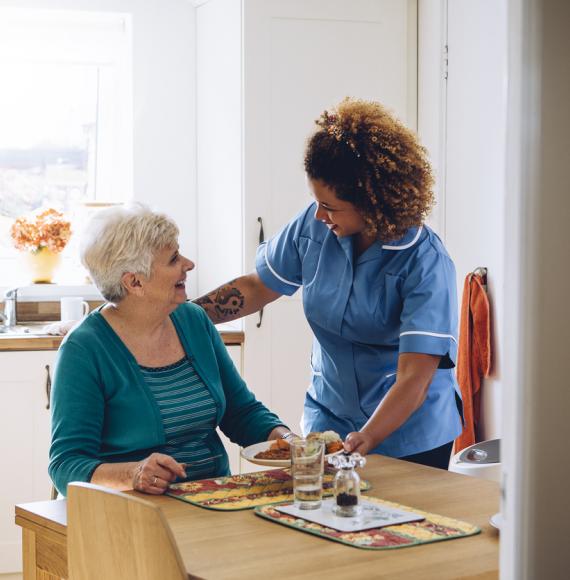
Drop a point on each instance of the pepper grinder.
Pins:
(347, 483)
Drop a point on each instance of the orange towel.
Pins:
(474, 356)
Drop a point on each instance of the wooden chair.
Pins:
(113, 535)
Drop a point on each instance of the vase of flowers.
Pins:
(42, 238)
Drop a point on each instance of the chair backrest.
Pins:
(113, 535)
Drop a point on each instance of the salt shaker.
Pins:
(347, 483)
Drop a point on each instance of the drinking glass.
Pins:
(307, 466)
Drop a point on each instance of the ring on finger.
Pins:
(154, 480)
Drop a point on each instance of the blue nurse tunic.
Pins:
(394, 298)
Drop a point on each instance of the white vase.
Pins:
(42, 264)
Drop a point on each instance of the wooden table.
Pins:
(242, 545)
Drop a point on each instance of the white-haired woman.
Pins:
(142, 383)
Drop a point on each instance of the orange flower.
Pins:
(49, 230)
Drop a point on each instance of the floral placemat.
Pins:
(246, 491)
(434, 528)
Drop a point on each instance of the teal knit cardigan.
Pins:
(102, 411)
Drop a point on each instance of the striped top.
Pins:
(188, 414)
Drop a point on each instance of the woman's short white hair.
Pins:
(124, 239)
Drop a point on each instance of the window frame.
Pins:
(103, 40)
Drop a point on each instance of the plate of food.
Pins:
(277, 453)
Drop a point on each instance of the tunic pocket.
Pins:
(389, 306)
(370, 400)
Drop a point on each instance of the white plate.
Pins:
(496, 521)
(250, 452)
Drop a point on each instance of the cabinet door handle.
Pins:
(48, 387)
(261, 240)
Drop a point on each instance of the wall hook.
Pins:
(481, 271)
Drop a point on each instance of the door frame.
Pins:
(534, 399)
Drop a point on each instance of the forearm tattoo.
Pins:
(226, 302)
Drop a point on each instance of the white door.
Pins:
(475, 209)
(300, 57)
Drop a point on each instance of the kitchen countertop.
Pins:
(34, 340)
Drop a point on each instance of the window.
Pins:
(65, 121)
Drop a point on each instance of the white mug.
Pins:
(73, 308)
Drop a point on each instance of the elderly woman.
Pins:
(142, 383)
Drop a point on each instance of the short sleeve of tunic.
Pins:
(429, 313)
(279, 262)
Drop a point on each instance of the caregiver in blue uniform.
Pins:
(378, 290)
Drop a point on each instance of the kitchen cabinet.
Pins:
(24, 442)
(266, 69)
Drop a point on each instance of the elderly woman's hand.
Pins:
(155, 473)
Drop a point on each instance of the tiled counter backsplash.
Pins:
(40, 302)
(42, 311)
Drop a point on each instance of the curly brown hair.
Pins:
(370, 159)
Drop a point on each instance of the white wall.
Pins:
(219, 152)
(164, 111)
(164, 98)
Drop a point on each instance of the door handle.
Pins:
(48, 386)
(261, 240)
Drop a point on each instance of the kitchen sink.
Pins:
(30, 329)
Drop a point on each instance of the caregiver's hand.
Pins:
(155, 473)
(359, 441)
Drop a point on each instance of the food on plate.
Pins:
(279, 449)
(332, 440)
(334, 446)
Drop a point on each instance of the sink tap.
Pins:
(10, 302)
